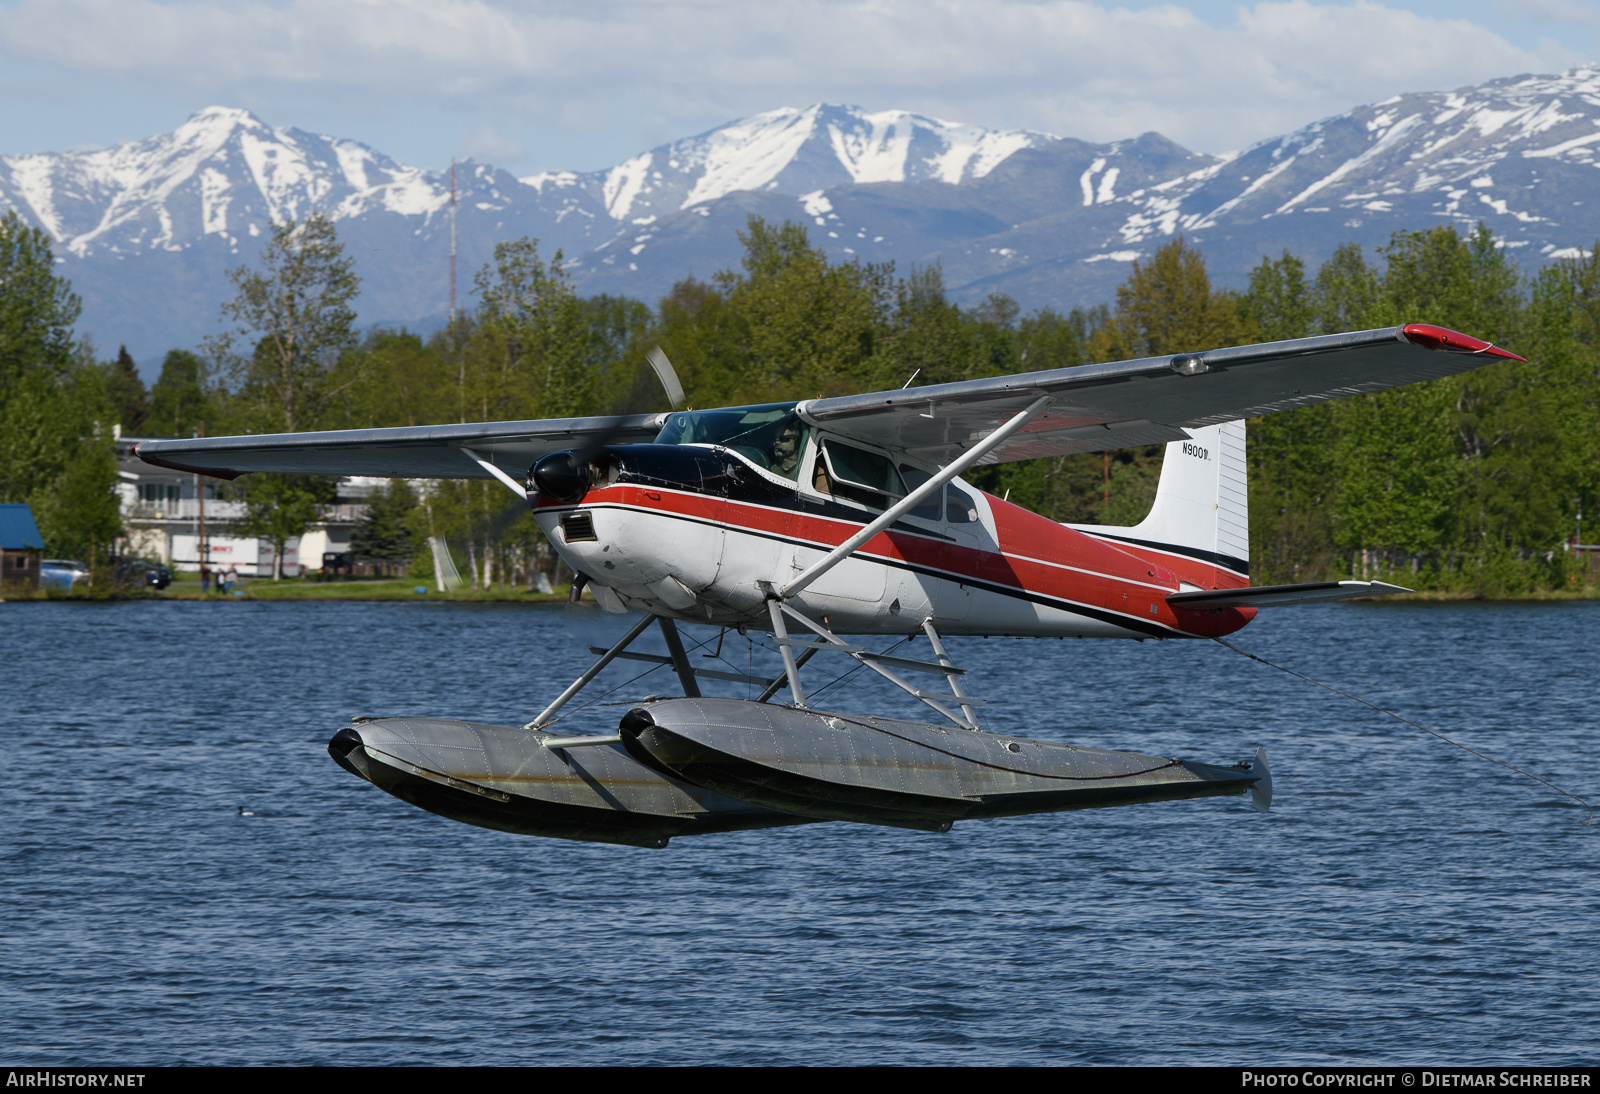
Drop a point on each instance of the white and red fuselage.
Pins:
(699, 533)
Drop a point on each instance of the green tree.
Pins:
(618, 336)
(697, 327)
(1279, 299)
(1167, 305)
(55, 438)
(1563, 337)
(1346, 295)
(387, 534)
(398, 379)
(1290, 453)
(179, 401)
(295, 315)
(1048, 340)
(130, 400)
(926, 336)
(280, 507)
(805, 327)
(37, 308)
(527, 355)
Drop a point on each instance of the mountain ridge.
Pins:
(147, 229)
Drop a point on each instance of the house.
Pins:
(21, 547)
(166, 513)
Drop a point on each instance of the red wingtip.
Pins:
(1432, 337)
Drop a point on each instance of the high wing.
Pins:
(412, 452)
(1116, 405)
(1149, 401)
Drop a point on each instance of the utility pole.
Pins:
(200, 533)
(452, 239)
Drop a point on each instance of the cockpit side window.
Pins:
(864, 477)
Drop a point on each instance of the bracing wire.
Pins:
(626, 683)
(1245, 653)
(837, 680)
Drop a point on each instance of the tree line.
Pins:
(1466, 483)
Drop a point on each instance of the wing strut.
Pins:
(516, 487)
(914, 499)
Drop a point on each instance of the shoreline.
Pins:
(261, 590)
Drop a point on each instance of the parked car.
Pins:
(63, 574)
(138, 572)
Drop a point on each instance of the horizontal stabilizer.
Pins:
(1271, 596)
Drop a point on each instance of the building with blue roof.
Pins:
(21, 546)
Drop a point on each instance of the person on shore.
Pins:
(205, 579)
(232, 576)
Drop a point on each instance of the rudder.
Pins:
(1202, 509)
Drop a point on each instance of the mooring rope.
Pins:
(1245, 653)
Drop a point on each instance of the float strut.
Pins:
(967, 706)
(781, 633)
(680, 660)
(594, 670)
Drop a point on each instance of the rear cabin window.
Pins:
(960, 507)
(862, 476)
(932, 508)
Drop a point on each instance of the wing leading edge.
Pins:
(424, 451)
(1152, 400)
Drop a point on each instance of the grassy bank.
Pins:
(300, 589)
(297, 589)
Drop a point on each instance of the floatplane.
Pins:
(829, 523)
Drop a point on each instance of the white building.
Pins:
(161, 512)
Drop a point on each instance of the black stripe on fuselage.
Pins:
(1131, 623)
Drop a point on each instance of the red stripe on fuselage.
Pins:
(1036, 555)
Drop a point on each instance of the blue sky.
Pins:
(582, 85)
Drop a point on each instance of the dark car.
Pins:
(138, 572)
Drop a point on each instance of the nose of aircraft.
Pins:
(563, 476)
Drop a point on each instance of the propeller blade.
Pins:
(667, 375)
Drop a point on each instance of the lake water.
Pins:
(1403, 903)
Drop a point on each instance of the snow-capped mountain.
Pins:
(794, 151)
(221, 173)
(147, 230)
(1058, 223)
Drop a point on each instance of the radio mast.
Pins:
(452, 239)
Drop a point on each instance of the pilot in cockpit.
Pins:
(785, 451)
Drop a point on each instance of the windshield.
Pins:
(770, 436)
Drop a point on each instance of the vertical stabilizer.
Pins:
(1201, 517)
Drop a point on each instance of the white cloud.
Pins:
(486, 144)
(665, 68)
